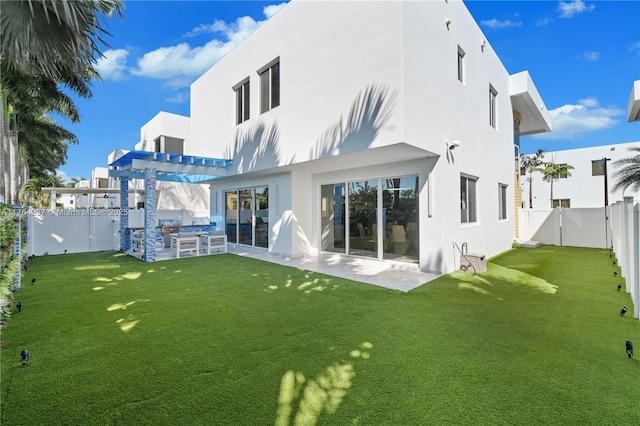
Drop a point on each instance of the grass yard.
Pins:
(227, 340)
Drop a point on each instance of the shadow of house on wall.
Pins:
(370, 111)
(256, 148)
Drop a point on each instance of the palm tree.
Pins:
(552, 171)
(54, 36)
(31, 192)
(530, 164)
(628, 174)
(45, 44)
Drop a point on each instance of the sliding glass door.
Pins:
(247, 216)
(381, 220)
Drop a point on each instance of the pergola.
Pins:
(152, 167)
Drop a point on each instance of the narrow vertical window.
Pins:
(242, 101)
(269, 86)
(460, 64)
(492, 106)
(502, 201)
(468, 206)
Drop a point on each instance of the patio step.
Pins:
(530, 244)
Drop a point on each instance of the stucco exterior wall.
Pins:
(335, 61)
(367, 90)
(438, 107)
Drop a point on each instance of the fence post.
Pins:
(633, 213)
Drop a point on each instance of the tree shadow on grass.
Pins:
(308, 284)
(301, 401)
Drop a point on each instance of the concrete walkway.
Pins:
(393, 275)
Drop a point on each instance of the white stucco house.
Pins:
(585, 187)
(381, 129)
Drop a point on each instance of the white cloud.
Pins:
(591, 56)
(570, 8)
(544, 22)
(181, 63)
(589, 102)
(271, 10)
(634, 46)
(113, 64)
(497, 25)
(587, 115)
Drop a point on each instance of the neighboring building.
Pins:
(167, 133)
(67, 201)
(377, 129)
(582, 188)
(81, 200)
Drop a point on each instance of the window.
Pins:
(561, 202)
(502, 201)
(242, 101)
(468, 199)
(460, 64)
(269, 86)
(492, 107)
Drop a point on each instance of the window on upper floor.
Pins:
(502, 201)
(468, 206)
(242, 100)
(493, 118)
(269, 85)
(460, 64)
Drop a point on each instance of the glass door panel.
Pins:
(245, 224)
(362, 224)
(400, 218)
(262, 217)
(231, 216)
(332, 207)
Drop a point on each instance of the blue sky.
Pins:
(583, 57)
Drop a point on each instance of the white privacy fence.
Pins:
(72, 231)
(85, 230)
(589, 227)
(625, 223)
(585, 227)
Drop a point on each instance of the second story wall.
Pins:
(340, 86)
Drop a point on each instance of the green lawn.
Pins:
(227, 340)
